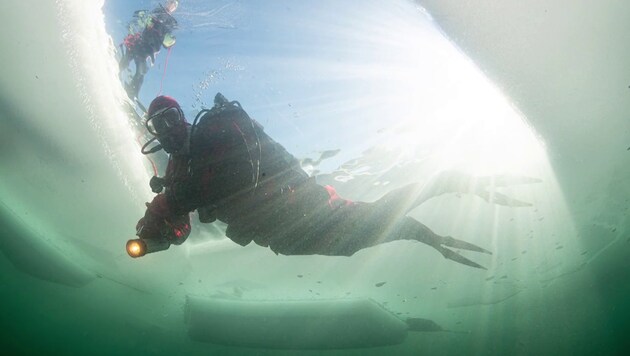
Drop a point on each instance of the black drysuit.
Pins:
(234, 172)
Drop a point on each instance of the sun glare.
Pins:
(460, 116)
(417, 105)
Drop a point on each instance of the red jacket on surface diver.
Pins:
(227, 168)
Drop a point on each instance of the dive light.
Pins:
(140, 247)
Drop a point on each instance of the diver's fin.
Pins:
(501, 199)
(454, 256)
(455, 243)
(505, 181)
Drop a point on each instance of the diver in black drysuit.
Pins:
(227, 168)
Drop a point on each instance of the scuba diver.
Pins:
(228, 169)
(147, 33)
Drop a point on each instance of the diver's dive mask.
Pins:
(163, 122)
(168, 126)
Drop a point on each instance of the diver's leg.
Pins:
(372, 233)
(138, 78)
(360, 226)
(404, 199)
(399, 202)
(124, 61)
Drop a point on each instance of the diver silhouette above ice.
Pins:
(228, 169)
(148, 32)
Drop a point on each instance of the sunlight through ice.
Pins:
(440, 102)
(435, 110)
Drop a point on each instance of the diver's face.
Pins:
(169, 127)
(173, 142)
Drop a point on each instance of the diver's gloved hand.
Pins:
(157, 184)
(153, 222)
(158, 224)
(169, 40)
(149, 226)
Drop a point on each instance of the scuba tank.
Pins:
(225, 117)
(226, 140)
